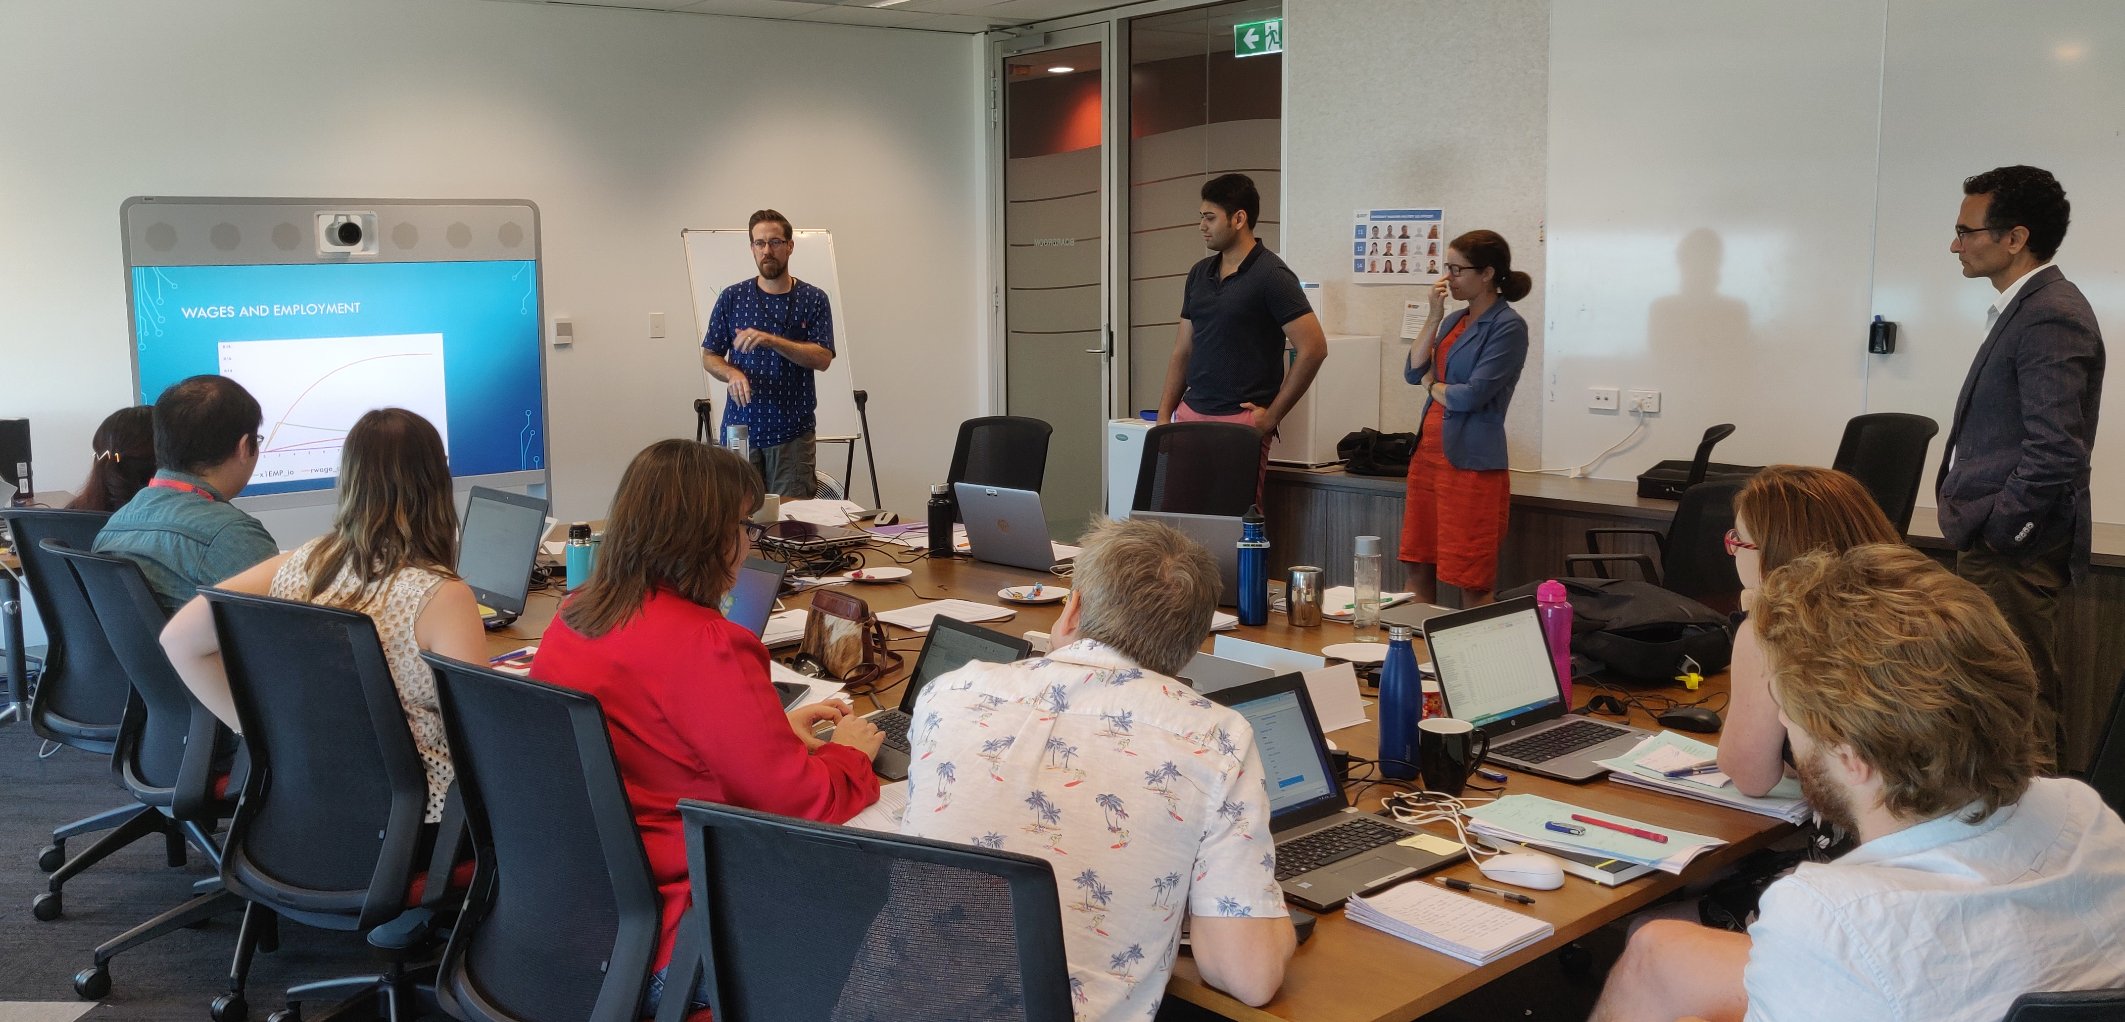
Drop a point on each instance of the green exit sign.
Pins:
(1256, 38)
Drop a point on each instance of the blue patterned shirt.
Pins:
(783, 399)
(1147, 797)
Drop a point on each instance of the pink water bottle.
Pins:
(1556, 614)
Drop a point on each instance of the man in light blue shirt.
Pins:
(181, 529)
(1911, 708)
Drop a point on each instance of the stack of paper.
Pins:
(884, 814)
(1476, 932)
(821, 512)
(918, 617)
(1644, 766)
(1338, 603)
(1522, 818)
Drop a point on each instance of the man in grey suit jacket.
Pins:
(2013, 486)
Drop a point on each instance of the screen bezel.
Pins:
(1335, 801)
(1446, 623)
(506, 603)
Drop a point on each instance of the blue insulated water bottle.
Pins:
(581, 555)
(1254, 568)
(1401, 706)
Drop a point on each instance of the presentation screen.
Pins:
(320, 340)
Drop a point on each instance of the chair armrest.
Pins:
(683, 973)
(1593, 546)
(1601, 561)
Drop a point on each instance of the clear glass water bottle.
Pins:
(738, 437)
(1365, 590)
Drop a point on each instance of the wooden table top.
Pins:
(1347, 972)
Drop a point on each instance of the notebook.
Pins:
(1476, 932)
(1495, 672)
(1326, 850)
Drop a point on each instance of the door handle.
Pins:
(1108, 348)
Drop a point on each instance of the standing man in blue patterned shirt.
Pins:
(766, 338)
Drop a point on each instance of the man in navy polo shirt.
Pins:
(766, 338)
(1241, 305)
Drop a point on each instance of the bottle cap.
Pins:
(1253, 515)
(1368, 546)
(579, 530)
(1400, 633)
(939, 490)
(1551, 591)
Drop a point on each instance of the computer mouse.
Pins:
(1532, 870)
(885, 518)
(1690, 718)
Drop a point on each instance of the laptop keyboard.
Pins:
(895, 725)
(1333, 844)
(1558, 741)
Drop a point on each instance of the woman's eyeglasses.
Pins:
(754, 531)
(1735, 542)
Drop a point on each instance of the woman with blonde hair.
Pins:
(1782, 512)
(389, 555)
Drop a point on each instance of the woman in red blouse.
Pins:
(686, 693)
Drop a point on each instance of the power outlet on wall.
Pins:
(1647, 401)
(1602, 399)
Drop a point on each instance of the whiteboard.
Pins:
(716, 259)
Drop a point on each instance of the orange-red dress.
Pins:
(1453, 517)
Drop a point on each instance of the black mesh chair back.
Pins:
(909, 930)
(1693, 557)
(999, 450)
(82, 692)
(1886, 452)
(329, 822)
(563, 917)
(168, 745)
(1199, 468)
(2076, 1006)
(2106, 767)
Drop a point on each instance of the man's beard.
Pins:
(773, 269)
(1829, 801)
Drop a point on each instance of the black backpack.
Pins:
(1641, 631)
(1369, 452)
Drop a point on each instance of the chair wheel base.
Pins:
(93, 983)
(47, 906)
(52, 857)
(229, 1008)
(285, 1015)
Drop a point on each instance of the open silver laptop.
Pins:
(1218, 534)
(1326, 850)
(1005, 526)
(1495, 672)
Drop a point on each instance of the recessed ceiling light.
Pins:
(885, 3)
(1060, 70)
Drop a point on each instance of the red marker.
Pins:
(1653, 836)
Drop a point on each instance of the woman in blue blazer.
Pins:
(1468, 365)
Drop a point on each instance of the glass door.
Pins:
(1058, 343)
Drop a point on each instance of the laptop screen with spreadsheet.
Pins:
(1494, 663)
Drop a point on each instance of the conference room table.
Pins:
(1346, 972)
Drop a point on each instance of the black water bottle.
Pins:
(940, 519)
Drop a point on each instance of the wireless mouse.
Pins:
(1532, 870)
(1690, 718)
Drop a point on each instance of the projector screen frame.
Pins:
(196, 231)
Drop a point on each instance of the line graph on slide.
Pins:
(313, 389)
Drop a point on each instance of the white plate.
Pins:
(877, 576)
(1357, 652)
(1024, 594)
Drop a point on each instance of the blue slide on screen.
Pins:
(319, 344)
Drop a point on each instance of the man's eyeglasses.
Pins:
(762, 244)
(1735, 542)
(754, 531)
(1963, 233)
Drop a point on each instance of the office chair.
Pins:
(999, 450)
(2076, 1006)
(82, 693)
(2106, 766)
(910, 929)
(1693, 555)
(172, 755)
(1199, 468)
(1886, 452)
(329, 828)
(563, 917)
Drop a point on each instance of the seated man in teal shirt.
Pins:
(181, 529)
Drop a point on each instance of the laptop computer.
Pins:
(496, 548)
(751, 600)
(1413, 615)
(1005, 526)
(1206, 673)
(1326, 850)
(951, 644)
(1495, 672)
(1218, 534)
(803, 539)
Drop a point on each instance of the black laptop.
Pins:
(951, 644)
(496, 550)
(1326, 850)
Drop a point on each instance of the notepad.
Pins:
(918, 617)
(1640, 767)
(1476, 932)
(884, 814)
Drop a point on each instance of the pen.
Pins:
(1563, 828)
(1654, 836)
(1493, 776)
(1692, 771)
(513, 655)
(1463, 885)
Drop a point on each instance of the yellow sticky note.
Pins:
(1428, 843)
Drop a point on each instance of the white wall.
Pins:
(623, 126)
(1399, 103)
